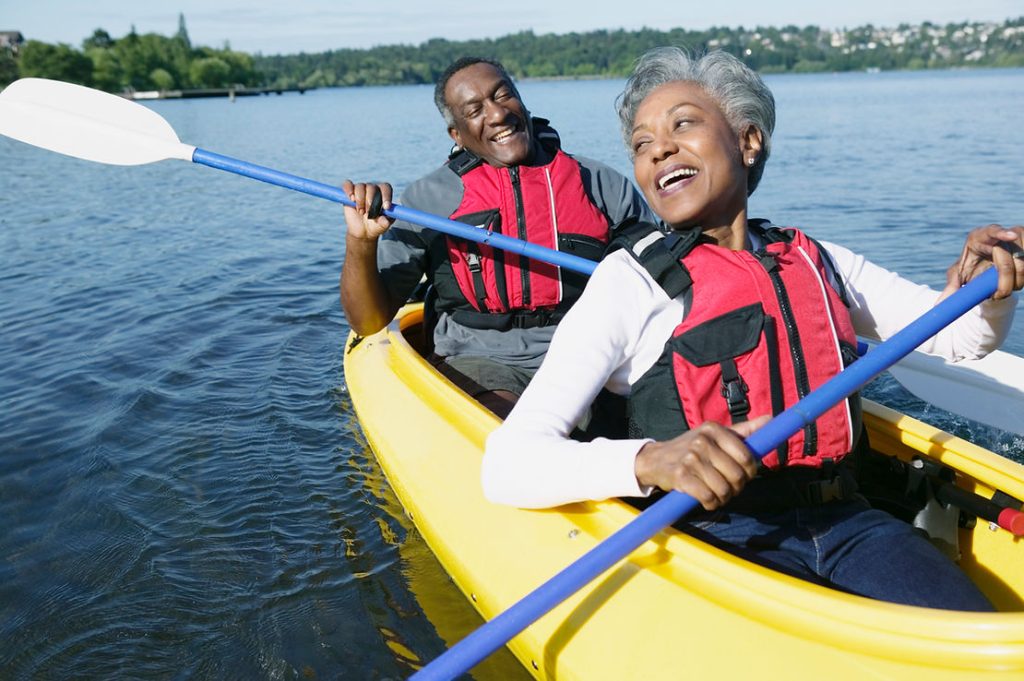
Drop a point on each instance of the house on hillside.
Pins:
(11, 40)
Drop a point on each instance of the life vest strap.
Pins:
(506, 321)
(658, 253)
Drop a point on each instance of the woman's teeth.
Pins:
(675, 175)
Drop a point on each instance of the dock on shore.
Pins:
(213, 92)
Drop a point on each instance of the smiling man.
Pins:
(495, 312)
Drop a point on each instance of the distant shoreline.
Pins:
(554, 79)
(230, 92)
(173, 63)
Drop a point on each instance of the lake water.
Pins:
(183, 486)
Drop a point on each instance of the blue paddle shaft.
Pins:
(464, 655)
(443, 225)
(397, 212)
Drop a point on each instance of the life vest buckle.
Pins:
(735, 393)
(825, 491)
(767, 260)
(532, 319)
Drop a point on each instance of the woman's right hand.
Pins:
(361, 225)
(710, 463)
(990, 246)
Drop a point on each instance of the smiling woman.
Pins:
(751, 105)
(768, 315)
(706, 183)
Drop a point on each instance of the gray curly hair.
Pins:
(744, 98)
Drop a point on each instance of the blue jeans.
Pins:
(842, 544)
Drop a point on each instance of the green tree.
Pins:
(182, 34)
(8, 67)
(129, 53)
(140, 55)
(319, 79)
(240, 67)
(162, 79)
(59, 62)
(210, 72)
(107, 73)
(99, 38)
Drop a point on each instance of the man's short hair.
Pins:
(455, 67)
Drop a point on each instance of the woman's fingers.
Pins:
(744, 430)
(707, 472)
(1008, 258)
(710, 463)
(992, 245)
(727, 464)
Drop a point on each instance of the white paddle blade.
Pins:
(989, 390)
(87, 124)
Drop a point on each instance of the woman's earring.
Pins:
(750, 161)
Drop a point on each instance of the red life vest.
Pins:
(763, 329)
(545, 205)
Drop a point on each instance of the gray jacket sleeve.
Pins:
(612, 193)
(403, 250)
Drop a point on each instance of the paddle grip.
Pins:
(376, 206)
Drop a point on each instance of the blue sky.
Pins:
(317, 25)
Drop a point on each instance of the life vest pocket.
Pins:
(724, 337)
(733, 342)
(583, 246)
(489, 219)
(479, 270)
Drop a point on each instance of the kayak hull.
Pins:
(676, 605)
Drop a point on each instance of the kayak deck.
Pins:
(675, 606)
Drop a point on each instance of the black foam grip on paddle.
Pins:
(376, 206)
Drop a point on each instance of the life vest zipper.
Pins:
(524, 263)
(803, 384)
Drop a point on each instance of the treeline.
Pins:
(154, 62)
(611, 53)
(132, 63)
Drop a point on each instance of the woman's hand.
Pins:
(710, 463)
(985, 247)
(361, 223)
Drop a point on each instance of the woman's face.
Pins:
(688, 161)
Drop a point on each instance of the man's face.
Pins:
(490, 119)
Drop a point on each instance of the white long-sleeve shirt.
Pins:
(614, 334)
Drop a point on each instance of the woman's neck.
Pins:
(732, 235)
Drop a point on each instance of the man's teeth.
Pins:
(676, 175)
(501, 136)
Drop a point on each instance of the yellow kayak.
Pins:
(638, 620)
